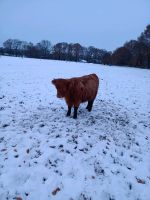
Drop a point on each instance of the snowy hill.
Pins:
(103, 155)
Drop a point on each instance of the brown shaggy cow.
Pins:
(77, 90)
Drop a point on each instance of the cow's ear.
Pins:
(53, 81)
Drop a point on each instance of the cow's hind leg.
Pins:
(89, 106)
(69, 111)
(75, 112)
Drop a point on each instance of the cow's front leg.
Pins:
(75, 112)
(69, 111)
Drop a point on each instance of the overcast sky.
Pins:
(101, 23)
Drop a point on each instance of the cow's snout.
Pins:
(58, 95)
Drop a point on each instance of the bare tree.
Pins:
(44, 48)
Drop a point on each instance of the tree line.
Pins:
(59, 51)
(133, 53)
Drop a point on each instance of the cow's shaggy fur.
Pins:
(77, 90)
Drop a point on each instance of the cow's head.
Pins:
(61, 86)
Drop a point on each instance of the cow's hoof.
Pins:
(74, 117)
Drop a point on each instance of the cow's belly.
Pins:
(86, 98)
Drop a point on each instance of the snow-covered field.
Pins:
(103, 155)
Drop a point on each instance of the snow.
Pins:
(103, 154)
